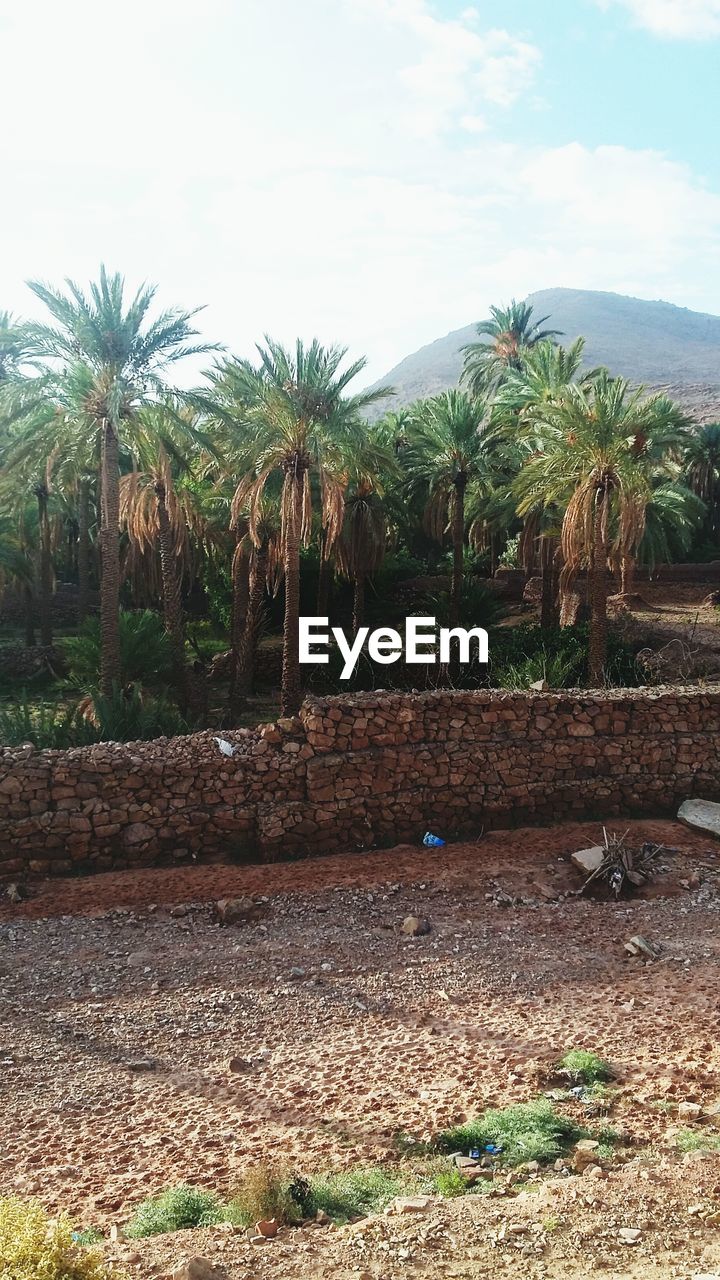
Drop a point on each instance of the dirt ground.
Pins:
(123, 1003)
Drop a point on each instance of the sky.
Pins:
(371, 172)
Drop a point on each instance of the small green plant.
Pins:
(45, 725)
(550, 1224)
(176, 1209)
(451, 1184)
(35, 1247)
(525, 1131)
(584, 1067)
(263, 1193)
(694, 1140)
(144, 650)
(352, 1194)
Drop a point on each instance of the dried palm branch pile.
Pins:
(623, 868)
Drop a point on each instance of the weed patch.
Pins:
(526, 1131)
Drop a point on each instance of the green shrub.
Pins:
(176, 1209)
(521, 655)
(34, 1247)
(353, 1194)
(263, 1193)
(144, 650)
(44, 724)
(584, 1067)
(130, 716)
(451, 1183)
(127, 716)
(526, 1131)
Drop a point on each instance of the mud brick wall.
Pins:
(359, 771)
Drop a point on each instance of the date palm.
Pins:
(363, 539)
(447, 450)
(127, 356)
(702, 472)
(592, 446)
(511, 332)
(158, 513)
(298, 422)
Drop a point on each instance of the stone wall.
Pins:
(353, 772)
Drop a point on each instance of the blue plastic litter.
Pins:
(493, 1150)
(474, 1153)
(433, 842)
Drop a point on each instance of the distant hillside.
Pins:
(654, 343)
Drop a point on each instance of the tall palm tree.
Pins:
(127, 356)
(14, 353)
(702, 472)
(593, 442)
(446, 451)
(294, 408)
(364, 536)
(512, 332)
(159, 507)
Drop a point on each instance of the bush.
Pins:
(344, 1196)
(263, 1193)
(144, 650)
(130, 716)
(584, 1067)
(451, 1183)
(44, 724)
(521, 655)
(33, 1247)
(127, 716)
(176, 1209)
(691, 1140)
(526, 1131)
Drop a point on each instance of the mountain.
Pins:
(654, 343)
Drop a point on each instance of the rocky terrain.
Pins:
(144, 1044)
(651, 343)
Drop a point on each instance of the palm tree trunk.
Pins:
(240, 572)
(110, 561)
(597, 647)
(627, 575)
(291, 688)
(458, 540)
(547, 570)
(45, 583)
(324, 577)
(249, 639)
(358, 602)
(172, 596)
(83, 550)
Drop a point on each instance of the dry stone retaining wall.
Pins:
(359, 771)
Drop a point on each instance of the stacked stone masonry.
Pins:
(357, 772)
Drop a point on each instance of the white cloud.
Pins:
(684, 19)
(449, 66)
(290, 186)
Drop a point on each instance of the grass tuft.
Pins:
(352, 1194)
(526, 1131)
(584, 1067)
(176, 1209)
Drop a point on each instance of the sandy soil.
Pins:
(122, 1003)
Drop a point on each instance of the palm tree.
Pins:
(126, 356)
(265, 570)
(594, 441)
(513, 332)
(363, 539)
(14, 353)
(702, 472)
(294, 409)
(546, 372)
(446, 451)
